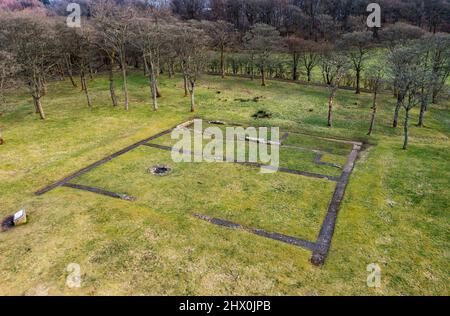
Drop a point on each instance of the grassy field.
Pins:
(395, 212)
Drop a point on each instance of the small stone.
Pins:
(391, 203)
(262, 141)
(217, 122)
(317, 259)
(20, 218)
(185, 124)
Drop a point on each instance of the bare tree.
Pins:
(376, 76)
(398, 64)
(82, 55)
(112, 23)
(294, 46)
(262, 41)
(191, 46)
(33, 48)
(439, 53)
(357, 46)
(146, 37)
(405, 64)
(110, 52)
(66, 48)
(399, 34)
(338, 67)
(310, 56)
(8, 71)
(223, 37)
(425, 59)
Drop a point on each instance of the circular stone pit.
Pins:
(161, 170)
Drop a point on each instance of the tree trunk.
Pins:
(43, 86)
(125, 84)
(434, 96)
(330, 107)
(421, 117)
(36, 88)
(36, 108)
(171, 72)
(222, 62)
(191, 91)
(374, 112)
(294, 68)
(252, 74)
(111, 83)
(145, 69)
(158, 93)
(423, 108)
(40, 110)
(86, 90)
(61, 71)
(91, 72)
(308, 73)
(69, 71)
(154, 94)
(375, 34)
(152, 80)
(263, 77)
(397, 110)
(358, 81)
(406, 128)
(82, 83)
(185, 86)
(2, 80)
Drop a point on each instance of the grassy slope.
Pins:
(395, 212)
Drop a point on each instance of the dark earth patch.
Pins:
(7, 223)
(160, 170)
(262, 114)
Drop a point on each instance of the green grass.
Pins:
(394, 213)
(283, 203)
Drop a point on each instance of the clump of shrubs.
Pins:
(255, 99)
(262, 114)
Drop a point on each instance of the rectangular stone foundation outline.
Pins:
(320, 248)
